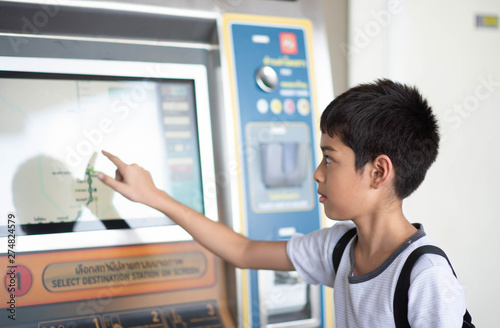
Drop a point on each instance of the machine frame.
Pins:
(171, 233)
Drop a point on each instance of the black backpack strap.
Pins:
(340, 247)
(400, 305)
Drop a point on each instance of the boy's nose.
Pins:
(318, 175)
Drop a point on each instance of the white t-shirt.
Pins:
(435, 298)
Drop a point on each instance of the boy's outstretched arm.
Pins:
(136, 184)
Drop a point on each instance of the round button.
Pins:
(289, 106)
(303, 106)
(18, 280)
(266, 78)
(262, 106)
(276, 106)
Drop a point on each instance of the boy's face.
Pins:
(343, 191)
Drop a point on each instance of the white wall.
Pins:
(436, 46)
(335, 18)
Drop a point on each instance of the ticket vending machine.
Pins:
(78, 254)
(218, 100)
(275, 133)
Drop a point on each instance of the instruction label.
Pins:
(61, 277)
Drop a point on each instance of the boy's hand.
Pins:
(132, 181)
(135, 183)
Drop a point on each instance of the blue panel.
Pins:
(249, 57)
(277, 123)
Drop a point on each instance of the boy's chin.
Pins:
(335, 217)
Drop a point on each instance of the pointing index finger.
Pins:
(91, 163)
(118, 162)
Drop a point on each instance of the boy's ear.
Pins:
(382, 171)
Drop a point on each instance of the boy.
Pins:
(378, 141)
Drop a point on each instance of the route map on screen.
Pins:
(53, 128)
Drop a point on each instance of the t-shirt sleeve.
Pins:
(311, 254)
(435, 297)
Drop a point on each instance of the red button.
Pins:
(18, 280)
(289, 106)
(288, 43)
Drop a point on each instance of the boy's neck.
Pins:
(379, 235)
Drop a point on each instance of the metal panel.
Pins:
(123, 22)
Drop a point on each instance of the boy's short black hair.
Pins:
(389, 118)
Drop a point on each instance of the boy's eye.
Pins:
(328, 159)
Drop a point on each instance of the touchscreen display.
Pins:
(53, 128)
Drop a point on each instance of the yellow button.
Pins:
(276, 106)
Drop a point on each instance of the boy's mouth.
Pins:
(322, 197)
